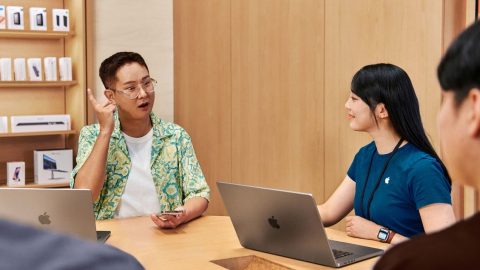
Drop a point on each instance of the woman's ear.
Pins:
(380, 111)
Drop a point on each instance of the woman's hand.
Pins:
(361, 228)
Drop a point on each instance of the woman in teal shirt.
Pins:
(397, 184)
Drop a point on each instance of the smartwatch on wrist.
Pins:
(383, 235)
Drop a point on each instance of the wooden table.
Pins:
(194, 245)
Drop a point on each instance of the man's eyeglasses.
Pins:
(132, 92)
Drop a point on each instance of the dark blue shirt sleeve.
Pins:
(353, 167)
(428, 183)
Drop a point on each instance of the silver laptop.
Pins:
(67, 211)
(288, 224)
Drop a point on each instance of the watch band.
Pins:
(391, 234)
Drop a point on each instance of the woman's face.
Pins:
(359, 114)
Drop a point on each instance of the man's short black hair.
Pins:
(459, 69)
(110, 66)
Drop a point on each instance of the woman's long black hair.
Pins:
(390, 85)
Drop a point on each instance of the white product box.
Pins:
(38, 18)
(61, 20)
(16, 173)
(36, 123)
(3, 124)
(50, 65)
(52, 166)
(19, 69)
(65, 68)
(34, 69)
(3, 19)
(6, 69)
(15, 18)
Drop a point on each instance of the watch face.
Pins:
(382, 235)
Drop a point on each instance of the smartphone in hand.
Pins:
(171, 212)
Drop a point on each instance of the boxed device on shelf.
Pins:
(15, 173)
(6, 69)
(19, 69)
(38, 18)
(3, 19)
(15, 18)
(34, 69)
(3, 124)
(38, 123)
(65, 68)
(50, 65)
(52, 166)
(61, 20)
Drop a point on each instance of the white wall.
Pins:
(145, 27)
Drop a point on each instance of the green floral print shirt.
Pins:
(175, 168)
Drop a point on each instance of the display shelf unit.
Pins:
(10, 34)
(34, 134)
(30, 84)
(44, 97)
(31, 185)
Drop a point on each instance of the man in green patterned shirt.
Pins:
(134, 163)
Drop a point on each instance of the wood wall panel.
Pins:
(357, 33)
(277, 94)
(275, 106)
(202, 82)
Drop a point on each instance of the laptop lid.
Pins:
(286, 223)
(67, 211)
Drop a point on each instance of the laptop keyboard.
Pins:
(339, 253)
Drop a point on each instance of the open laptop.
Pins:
(286, 223)
(67, 211)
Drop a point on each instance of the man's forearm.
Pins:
(92, 174)
(194, 207)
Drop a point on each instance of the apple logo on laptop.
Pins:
(44, 219)
(273, 222)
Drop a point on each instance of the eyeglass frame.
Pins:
(124, 91)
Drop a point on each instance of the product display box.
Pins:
(50, 65)
(6, 69)
(3, 17)
(39, 123)
(15, 173)
(38, 19)
(61, 20)
(65, 68)
(52, 166)
(20, 69)
(3, 124)
(15, 18)
(34, 69)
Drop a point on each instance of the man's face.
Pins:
(131, 76)
(458, 138)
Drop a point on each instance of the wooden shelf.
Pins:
(34, 34)
(31, 185)
(33, 134)
(24, 84)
